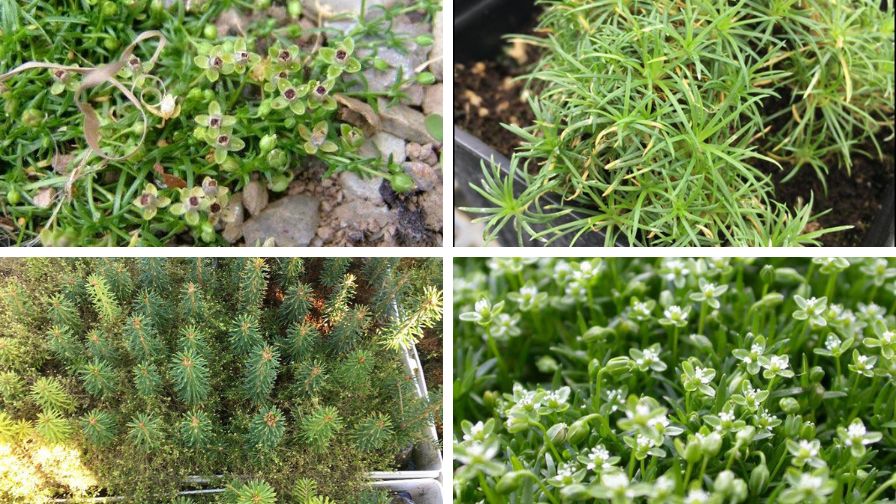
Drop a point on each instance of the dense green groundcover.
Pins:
(271, 377)
(675, 380)
(82, 164)
(653, 118)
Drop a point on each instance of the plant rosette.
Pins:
(613, 393)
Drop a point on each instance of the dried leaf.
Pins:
(359, 114)
(44, 197)
(168, 180)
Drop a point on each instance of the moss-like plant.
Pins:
(104, 301)
(334, 270)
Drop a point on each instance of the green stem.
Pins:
(675, 344)
(489, 494)
(703, 310)
(890, 482)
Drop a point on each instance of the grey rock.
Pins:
(368, 149)
(426, 177)
(432, 100)
(328, 8)
(291, 222)
(361, 188)
(408, 61)
(233, 230)
(255, 197)
(405, 122)
(436, 53)
(390, 145)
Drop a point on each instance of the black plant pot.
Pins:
(479, 26)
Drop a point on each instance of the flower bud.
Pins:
(517, 424)
(792, 425)
(807, 430)
(401, 182)
(557, 433)
(490, 398)
(294, 8)
(627, 326)
(264, 108)
(426, 78)
(816, 374)
(759, 479)
(724, 482)
(547, 364)
(597, 333)
(230, 165)
(210, 31)
(510, 481)
(711, 444)
(767, 274)
(575, 492)
(691, 452)
(618, 365)
(424, 40)
(32, 118)
(267, 143)
(593, 368)
(13, 197)
(109, 9)
(789, 405)
(280, 182)
(277, 159)
(578, 432)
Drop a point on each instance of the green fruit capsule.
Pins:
(401, 182)
(294, 8)
(426, 78)
(210, 31)
(109, 9)
(111, 43)
(510, 482)
(424, 40)
(13, 196)
(32, 118)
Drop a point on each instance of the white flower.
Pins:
(475, 430)
(675, 313)
(614, 481)
(703, 375)
(599, 458)
(697, 496)
(832, 342)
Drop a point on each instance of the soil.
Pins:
(855, 199)
(486, 95)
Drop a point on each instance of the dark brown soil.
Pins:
(855, 199)
(486, 96)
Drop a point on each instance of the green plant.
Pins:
(147, 379)
(98, 427)
(261, 372)
(195, 429)
(198, 107)
(373, 433)
(256, 492)
(189, 372)
(50, 394)
(99, 378)
(146, 431)
(267, 428)
(245, 334)
(52, 427)
(666, 148)
(777, 392)
(320, 426)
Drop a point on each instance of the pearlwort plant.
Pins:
(780, 389)
(652, 119)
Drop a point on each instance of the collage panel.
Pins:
(674, 380)
(221, 123)
(229, 380)
(673, 123)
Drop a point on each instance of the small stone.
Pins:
(368, 149)
(255, 197)
(330, 8)
(364, 188)
(291, 221)
(233, 230)
(404, 122)
(413, 151)
(390, 145)
(425, 176)
(432, 99)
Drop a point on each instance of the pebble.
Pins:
(255, 197)
(404, 122)
(291, 221)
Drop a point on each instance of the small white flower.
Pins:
(614, 481)
(697, 496)
(703, 375)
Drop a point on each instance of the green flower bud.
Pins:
(711, 444)
(109, 9)
(194, 94)
(426, 78)
(424, 40)
(401, 182)
(627, 327)
(262, 4)
(111, 43)
(490, 398)
(767, 274)
(380, 64)
(724, 482)
(267, 143)
(230, 165)
(517, 424)
(792, 425)
(598, 333)
(13, 196)
(206, 232)
(693, 451)
(789, 405)
(618, 365)
(557, 433)
(277, 158)
(510, 481)
(210, 31)
(547, 364)
(264, 108)
(578, 432)
(759, 479)
(807, 430)
(294, 8)
(32, 118)
(208, 95)
(816, 374)
(280, 182)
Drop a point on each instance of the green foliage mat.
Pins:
(675, 380)
(124, 377)
(134, 123)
